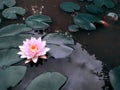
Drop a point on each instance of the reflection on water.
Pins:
(104, 42)
(83, 71)
(80, 68)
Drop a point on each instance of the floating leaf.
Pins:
(115, 78)
(10, 13)
(12, 41)
(69, 7)
(11, 76)
(58, 44)
(60, 51)
(8, 3)
(14, 29)
(38, 21)
(47, 81)
(9, 57)
(107, 3)
(94, 9)
(85, 21)
(89, 17)
(0, 20)
(118, 15)
(84, 0)
(73, 28)
(58, 38)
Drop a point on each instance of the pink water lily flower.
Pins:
(32, 49)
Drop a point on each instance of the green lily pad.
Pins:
(118, 15)
(9, 57)
(10, 13)
(86, 21)
(0, 20)
(94, 9)
(47, 81)
(58, 38)
(8, 3)
(69, 7)
(59, 51)
(38, 21)
(89, 17)
(115, 78)
(87, 0)
(12, 41)
(14, 29)
(11, 76)
(107, 3)
(73, 28)
(58, 44)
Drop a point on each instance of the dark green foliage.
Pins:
(73, 28)
(115, 78)
(11, 76)
(12, 41)
(47, 81)
(85, 0)
(69, 7)
(10, 13)
(84, 21)
(0, 20)
(38, 21)
(58, 44)
(14, 29)
(94, 9)
(106, 3)
(8, 3)
(9, 57)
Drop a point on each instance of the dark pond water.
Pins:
(104, 43)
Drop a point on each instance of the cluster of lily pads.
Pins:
(60, 45)
(12, 36)
(11, 10)
(86, 21)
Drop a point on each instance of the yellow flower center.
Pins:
(33, 48)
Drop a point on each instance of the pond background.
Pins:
(103, 42)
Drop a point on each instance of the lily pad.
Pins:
(0, 20)
(58, 44)
(10, 13)
(115, 78)
(94, 9)
(73, 28)
(38, 21)
(14, 29)
(69, 7)
(8, 3)
(12, 41)
(47, 81)
(11, 76)
(58, 38)
(84, 0)
(118, 15)
(9, 57)
(107, 3)
(86, 21)
(60, 51)
(89, 17)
